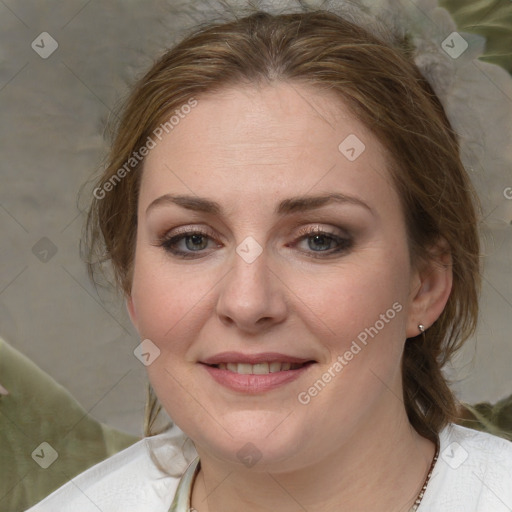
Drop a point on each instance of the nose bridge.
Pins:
(251, 292)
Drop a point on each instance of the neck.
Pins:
(378, 470)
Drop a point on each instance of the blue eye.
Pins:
(192, 244)
(322, 242)
(195, 241)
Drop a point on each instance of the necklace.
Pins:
(427, 480)
(181, 501)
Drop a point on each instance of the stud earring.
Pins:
(421, 327)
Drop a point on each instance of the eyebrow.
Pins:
(285, 207)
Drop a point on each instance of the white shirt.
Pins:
(472, 474)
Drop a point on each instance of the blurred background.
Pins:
(65, 66)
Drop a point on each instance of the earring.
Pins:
(421, 327)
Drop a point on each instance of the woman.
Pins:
(287, 214)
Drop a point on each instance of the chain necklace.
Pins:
(427, 480)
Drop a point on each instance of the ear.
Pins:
(431, 286)
(130, 307)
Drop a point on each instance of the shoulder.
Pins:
(473, 473)
(486, 455)
(480, 443)
(144, 476)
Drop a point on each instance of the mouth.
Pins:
(263, 368)
(255, 373)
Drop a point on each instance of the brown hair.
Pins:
(380, 83)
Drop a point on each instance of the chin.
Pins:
(258, 440)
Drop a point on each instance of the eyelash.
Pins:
(168, 243)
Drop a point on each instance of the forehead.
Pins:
(276, 140)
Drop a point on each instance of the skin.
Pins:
(248, 148)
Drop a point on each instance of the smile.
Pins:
(256, 378)
(258, 369)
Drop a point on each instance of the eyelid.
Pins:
(184, 230)
(311, 230)
(303, 231)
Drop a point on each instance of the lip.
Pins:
(255, 383)
(264, 357)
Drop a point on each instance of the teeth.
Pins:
(244, 368)
(275, 367)
(259, 368)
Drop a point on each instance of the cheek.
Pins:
(362, 311)
(163, 299)
(359, 316)
(349, 299)
(167, 304)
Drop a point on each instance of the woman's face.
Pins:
(274, 275)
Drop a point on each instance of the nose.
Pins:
(251, 297)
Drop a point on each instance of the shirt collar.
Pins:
(181, 501)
